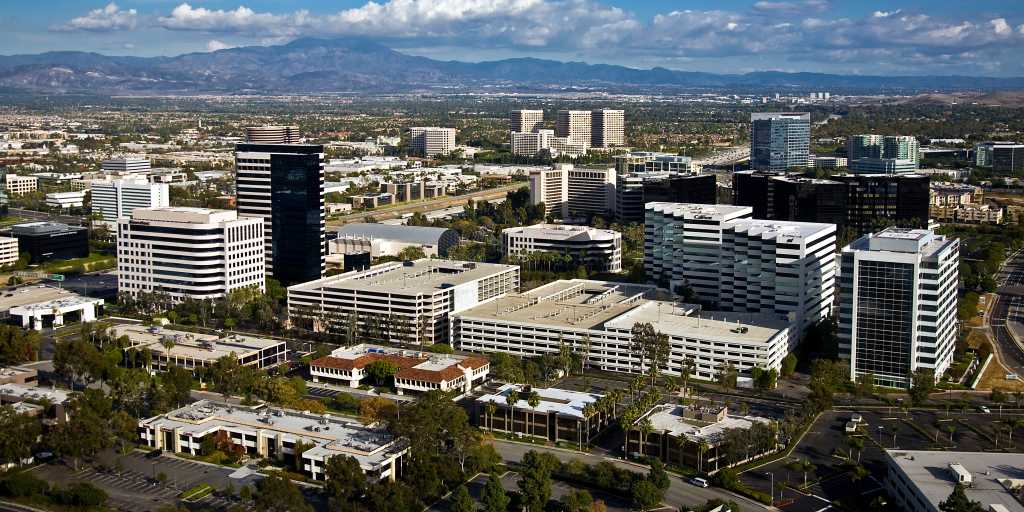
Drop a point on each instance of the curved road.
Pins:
(1009, 305)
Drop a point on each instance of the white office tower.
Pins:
(683, 244)
(574, 125)
(187, 253)
(272, 135)
(567, 191)
(126, 165)
(531, 143)
(898, 304)
(784, 267)
(608, 128)
(431, 140)
(118, 198)
(526, 121)
(600, 250)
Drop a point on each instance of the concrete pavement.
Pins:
(680, 492)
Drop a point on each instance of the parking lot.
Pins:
(559, 489)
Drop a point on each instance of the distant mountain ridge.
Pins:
(353, 65)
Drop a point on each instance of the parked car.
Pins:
(985, 409)
(699, 482)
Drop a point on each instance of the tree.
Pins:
(381, 370)
(577, 501)
(533, 400)
(20, 432)
(865, 384)
(277, 493)
(922, 382)
(461, 501)
(727, 375)
(87, 432)
(17, 345)
(376, 409)
(535, 480)
(345, 482)
(789, 365)
(78, 362)
(388, 496)
(646, 495)
(494, 498)
(802, 465)
(510, 400)
(412, 252)
(688, 367)
(658, 476)
(959, 502)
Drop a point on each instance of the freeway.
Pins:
(1009, 306)
(427, 206)
(73, 220)
(680, 492)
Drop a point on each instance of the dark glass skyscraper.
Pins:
(779, 140)
(284, 184)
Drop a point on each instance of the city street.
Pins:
(1009, 307)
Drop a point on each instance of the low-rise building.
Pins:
(431, 140)
(595, 318)
(271, 432)
(389, 240)
(828, 162)
(371, 200)
(693, 436)
(8, 250)
(417, 371)
(955, 194)
(56, 312)
(30, 399)
(919, 480)
(560, 415)
(600, 250)
(412, 191)
(967, 213)
(66, 200)
(45, 241)
(18, 375)
(191, 350)
(17, 185)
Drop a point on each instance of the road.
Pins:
(426, 206)
(680, 492)
(34, 215)
(728, 156)
(1009, 305)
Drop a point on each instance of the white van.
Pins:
(699, 482)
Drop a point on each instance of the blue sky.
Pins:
(732, 36)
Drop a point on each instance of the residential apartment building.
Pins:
(594, 319)
(118, 198)
(575, 125)
(779, 141)
(272, 135)
(968, 213)
(262, 431)
(898, 304)
(955, 194)
(284, 185)
(17, 185)
(567, 191)
(405, 302)
(608, 128)
(186, 253)
(600, 250)
(525, 121)
(431, 141)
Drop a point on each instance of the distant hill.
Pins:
(351, 65)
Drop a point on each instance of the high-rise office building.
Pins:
(126, 165)
(284, 184)
(898, 305)
(1000, 156)
(544, 143)
(118, 198)
(633, 191)
(877, 154)
(779, 140)
(568, 191)
(526, 121)
(189, 253)
(742, 265)
(431, 140)
(575, 125)
(861, 202)
(608, 128)
(864, 146)
(272, 135)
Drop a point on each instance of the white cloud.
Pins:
(1001, 27)
(106, 19)
(885, 14)
(213, 45)
(241, 20)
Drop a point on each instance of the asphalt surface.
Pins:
(427, 206)
(680, 492)
(1009, 305)
(73, 220)
(101, 285)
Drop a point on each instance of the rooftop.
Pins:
(408, 234)
(331, 435)
(24, 295)
(902, 240)
(564, 232)
(561, 401)
(782, 230)
(33, 393)
(183, 214)
(192, 345)
(63, 304)
(700, 211)
(43, 228)
(930, 472)
(682, 421)
(412, 364)
(420, 276)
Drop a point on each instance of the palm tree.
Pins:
(1014, 425)
(855, 443)
(803, 465)
(702, 448)
(534, 400)
(510, 400)
(645, 430)
(951, 429)
(859, 473)
(489, 410)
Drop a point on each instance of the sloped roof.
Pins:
(408, 234)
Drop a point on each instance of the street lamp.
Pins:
(880, 429)
(772, 489)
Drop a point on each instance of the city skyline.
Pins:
(890, 37)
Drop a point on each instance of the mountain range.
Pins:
(308, 66)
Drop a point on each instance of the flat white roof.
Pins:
(26, 295)
(782, 230)
(670, 418)
(191, 345)
(422, 276)
(700, 211)
(184, 214)
(33, 393)
(561, 401)
(62, 305)
(564, 232)
(930, 473)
